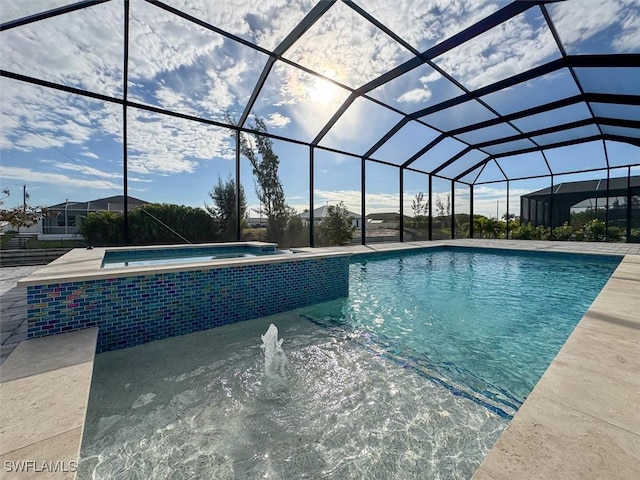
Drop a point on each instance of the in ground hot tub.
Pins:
(144, 256)
(137, 303)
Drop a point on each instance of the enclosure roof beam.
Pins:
(507, 12)
(451, 160)
(423, 150)
(54, 12)
(546, 107)
(616, 122)
(305, 24)
(604, 61)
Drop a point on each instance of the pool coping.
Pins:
(45, 394)
(569, 426)
(85, 264)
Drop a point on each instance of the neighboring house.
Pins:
(7, 227)
(63, 218)
(257, 222)
(385, 220)
(551, 208)
(322, 212)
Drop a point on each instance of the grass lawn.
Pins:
(34, 243)
(5, 238)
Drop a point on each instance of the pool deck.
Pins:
(581, 421)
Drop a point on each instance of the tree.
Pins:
(259, 150)
(336, 228)
(23, 215)
(440, 211)
(418, 205)
(297, 235)
(448, 206)
(420, 209)
(224, 209)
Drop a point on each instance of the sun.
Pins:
(322, 91)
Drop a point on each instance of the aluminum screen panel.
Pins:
(343, 30)
(264, 23)
(416, 89)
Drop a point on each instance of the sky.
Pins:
(67, 147)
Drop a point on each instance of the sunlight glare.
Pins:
(322, 91)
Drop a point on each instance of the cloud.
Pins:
(265, 23)
(512, 47)
(579, 21)
(85, 169)
(337, 41)
(629, 39)
(416, 95)
(81, 49)
(432, 77)
(376, 202)
(423, 23)
(38, 118)
(41, 119)
(301, 97)
(276, 120)
(162, 42)
(31, 176)
(166, 145)
(90, 155)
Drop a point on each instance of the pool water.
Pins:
(168, 256)
(206, 411)
(491, 320)
(414, 375)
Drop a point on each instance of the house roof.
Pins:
(323, 211)
(386, 216)
(115, 203)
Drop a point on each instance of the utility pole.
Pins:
(24, 198)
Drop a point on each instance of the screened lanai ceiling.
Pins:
(473, 91)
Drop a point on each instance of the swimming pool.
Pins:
(489, 320)
(414, 375)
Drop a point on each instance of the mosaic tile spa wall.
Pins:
(135, 309)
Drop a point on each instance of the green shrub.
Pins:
(155, 224)
(615, 234)
(336, 228)
(526, 231)
(542, 233)
(166, 224)
(594, 231)
(564, 232)
(102, 228)
(296, 234)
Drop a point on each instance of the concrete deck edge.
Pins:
(45, 393)
(580, 421)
